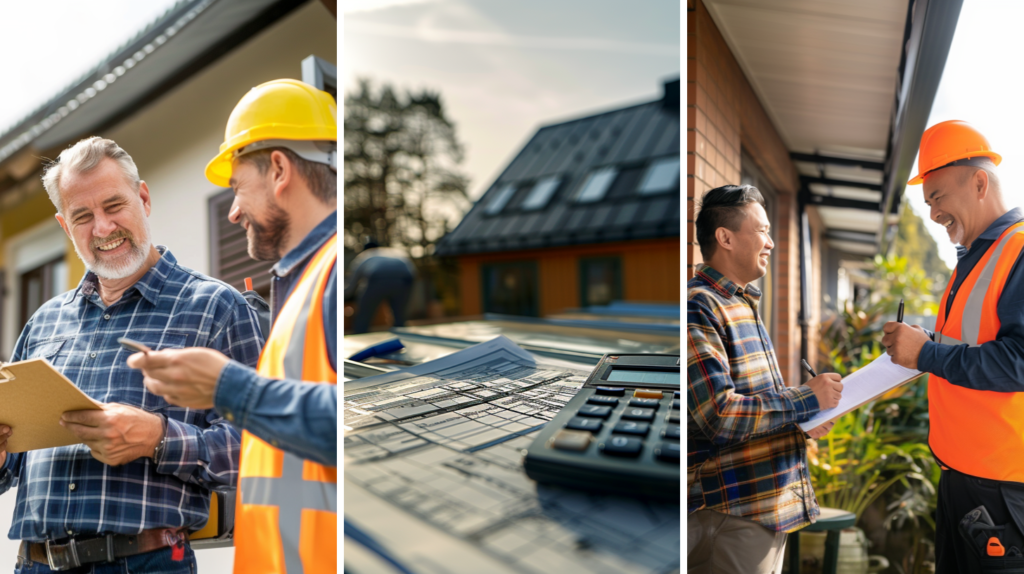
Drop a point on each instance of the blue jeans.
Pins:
(155, 562)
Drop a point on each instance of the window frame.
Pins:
(586, 262)
(530, 265)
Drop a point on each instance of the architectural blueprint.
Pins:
(434, 482)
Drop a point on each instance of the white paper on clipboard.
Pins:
(877, 378)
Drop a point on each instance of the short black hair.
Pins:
(722, 207)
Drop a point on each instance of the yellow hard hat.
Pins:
(278, 113)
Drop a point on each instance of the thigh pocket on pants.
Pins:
(1002, 565)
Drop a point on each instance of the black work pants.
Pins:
(958, 495)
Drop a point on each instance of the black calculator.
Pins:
(619, 434)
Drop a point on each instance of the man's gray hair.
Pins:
(83, 157)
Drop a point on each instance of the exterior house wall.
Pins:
(656, 261)
(723, 116)
(172, 139)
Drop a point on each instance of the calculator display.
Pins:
(644, 377)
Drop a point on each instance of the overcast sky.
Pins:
(506, 68)
(47, 44)
(980, 85)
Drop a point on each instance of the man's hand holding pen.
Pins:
(827, 389)
(903, 342)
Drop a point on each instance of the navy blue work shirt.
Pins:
(297, 417)
(64, 491)
(996, 365)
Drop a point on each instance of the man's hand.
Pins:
(820, 431)
(118, 433)
(827, 388)
(903, 343)
(5, 433)
(183, 377)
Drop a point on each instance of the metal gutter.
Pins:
(931, 25)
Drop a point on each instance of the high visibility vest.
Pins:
(286, 520)
(979, 433)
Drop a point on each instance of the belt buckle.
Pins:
(66, 560)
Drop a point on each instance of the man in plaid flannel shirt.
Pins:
(124, 500)
(747, 479)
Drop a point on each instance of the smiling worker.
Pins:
(976, 355)
(280, 157)
(747, 475)
(124, 500)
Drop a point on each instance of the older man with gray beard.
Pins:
(125, 499)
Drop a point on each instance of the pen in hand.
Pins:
(899, 314)
(808, 367)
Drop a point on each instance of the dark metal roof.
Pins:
(189, 36)
(629, 139)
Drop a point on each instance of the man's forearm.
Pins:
(300, 417)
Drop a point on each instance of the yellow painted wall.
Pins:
(650, 273)
(24, 216)
(27, 214)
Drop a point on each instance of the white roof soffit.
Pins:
(189, 35)
(825, 71)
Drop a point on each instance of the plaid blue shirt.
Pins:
(66, 491)
(745, 454)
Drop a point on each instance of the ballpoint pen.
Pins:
(808, 367)
(899, 315)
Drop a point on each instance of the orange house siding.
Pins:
(650, 272)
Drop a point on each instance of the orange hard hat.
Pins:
(948, 142)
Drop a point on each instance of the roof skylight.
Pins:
(501, 198)
(541, 193)
(597, 184)
(662, 175)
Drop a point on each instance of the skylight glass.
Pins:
(661, 176)
(501, 198)
(597, 184)
(541, 193)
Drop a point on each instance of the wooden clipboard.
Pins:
(33, 396)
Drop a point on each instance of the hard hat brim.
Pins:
(919, 178)
(218, 171)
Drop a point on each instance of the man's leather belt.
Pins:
(71, 553)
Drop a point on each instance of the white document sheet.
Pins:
(877, 378)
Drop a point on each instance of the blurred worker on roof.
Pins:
(379, 274)
(280, 157)
(975, 356)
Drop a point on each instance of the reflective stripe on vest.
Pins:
(980, 433)
(287, 512)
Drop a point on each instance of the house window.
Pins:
(229, 249)
(662, 176)
(600, 280)
(500, 199)
(596, 185)
(511, 288)
(541, 193)
(39, 285)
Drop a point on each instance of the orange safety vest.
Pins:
(286, 520)
(979, 433)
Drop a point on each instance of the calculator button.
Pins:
(639, 414)
(583, 423)
(653, 403)
(594, 411)
(673, 417)
(676, 395)
(571, 440)
(671, 431)
(631, 427)
(647, 394)
(599, 400)
(622, 446)
(667, 451)
(611, 391)
(675, 404)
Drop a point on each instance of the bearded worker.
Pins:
(280, 157)
(975, 356)
(124, 500)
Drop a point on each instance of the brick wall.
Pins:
(723, 115)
